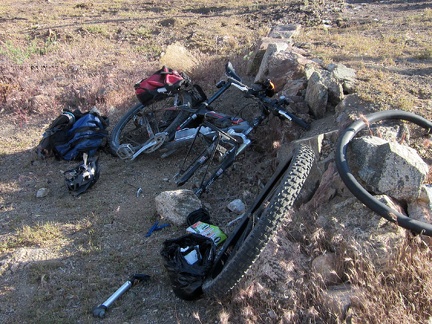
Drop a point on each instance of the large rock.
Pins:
(178, 57)
(317, 95)
(389, 168)
(345, 76)
(285, 66)
(176, 205)
(327, 268)
(338, 300)
(271, 49)
(350, 108)
(421, 209)
(322, 89)
(326, 88)
(294, 88)
(281, 61)
(286, 32)
(334, 86)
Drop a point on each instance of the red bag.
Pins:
(163, 81)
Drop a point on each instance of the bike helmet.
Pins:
(84, 176)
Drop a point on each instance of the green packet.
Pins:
(208, 230)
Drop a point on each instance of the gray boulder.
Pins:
(337, 299)
(350, 108)
(327, 268)
(362, 232)
(317, 95)
(176, 205)
(323, 89)
(345, 76)
(389, 168)
(421, 209)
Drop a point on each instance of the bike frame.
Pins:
(235, 137)
(223, 134)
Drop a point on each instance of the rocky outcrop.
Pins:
(421, 208)
(327, 211)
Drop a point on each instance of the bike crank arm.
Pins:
(155, 143)
(126, 151)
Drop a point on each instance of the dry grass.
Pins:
(77, 55)
(38, 235)
(401, 294)
(376, 49)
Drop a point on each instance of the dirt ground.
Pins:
(61, 256)
(102, 241)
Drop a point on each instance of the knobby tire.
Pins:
(281, 198)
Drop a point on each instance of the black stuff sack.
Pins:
(188, 259)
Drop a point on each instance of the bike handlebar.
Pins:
(274, 105)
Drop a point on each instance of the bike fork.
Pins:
(201, 160)
(227, 162)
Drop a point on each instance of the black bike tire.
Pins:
(282, 199)
(354, 186)
(114, 141)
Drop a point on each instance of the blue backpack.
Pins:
(72, 134)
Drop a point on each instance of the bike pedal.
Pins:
(125, 152)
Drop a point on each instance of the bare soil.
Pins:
(61, 256)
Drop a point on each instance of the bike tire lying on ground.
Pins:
(354, 186)
(280, 192)
(156, 106)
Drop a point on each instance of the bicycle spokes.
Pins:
(145, 136)
(149, 126)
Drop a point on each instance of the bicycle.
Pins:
(177, 112)
(187, 116)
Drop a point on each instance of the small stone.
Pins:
(42, 192)
(176, 205)
(237, 206)
(272, 314)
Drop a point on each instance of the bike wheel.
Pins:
(357, 189)
(244, 245)
(156, 121)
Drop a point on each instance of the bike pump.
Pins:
(100, 310)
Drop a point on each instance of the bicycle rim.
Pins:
(142, 122)
(246, 243)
